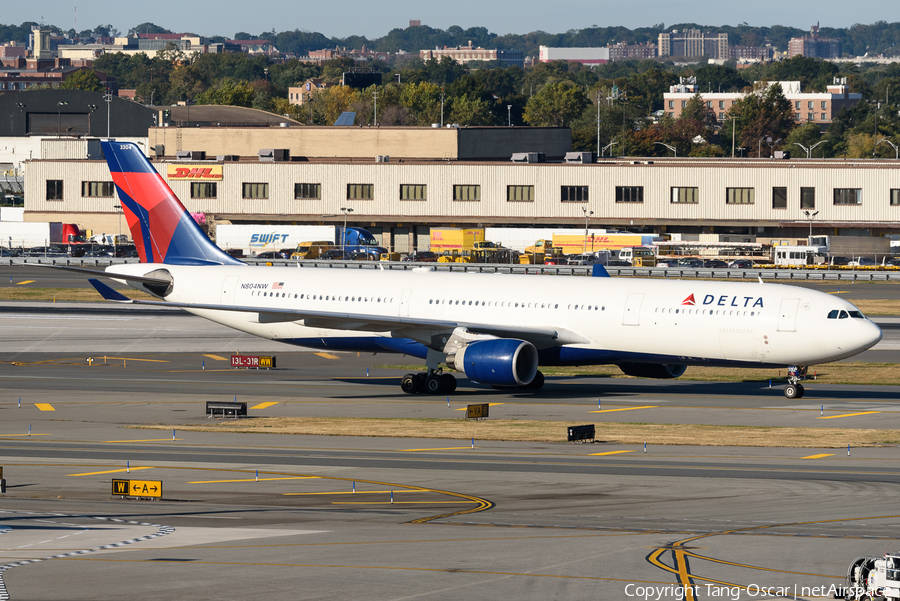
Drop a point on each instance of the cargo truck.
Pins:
(458, 239)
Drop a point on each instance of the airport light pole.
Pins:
(810, 149)
(670, 147)
(346, 211)
(108, 98)
(118, 209)
(810, 216)
(587, 216)
(509, 115)
(59, 106)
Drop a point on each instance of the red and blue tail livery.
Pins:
(162, 229)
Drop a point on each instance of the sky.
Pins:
(358, 17)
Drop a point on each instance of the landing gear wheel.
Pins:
(408, 384)
(434, 384)
(448, 383)
(537, 383)
(419, 380)
(793, 391)
(800, 391)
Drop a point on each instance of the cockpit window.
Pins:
(843, 315)
(857, 315)
(833, 314)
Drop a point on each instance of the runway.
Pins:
(286, 517)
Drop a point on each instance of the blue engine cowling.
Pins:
(501, 362)
(662, 371)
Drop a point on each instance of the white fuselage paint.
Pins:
(732, 321)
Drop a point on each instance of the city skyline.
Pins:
(355, 19)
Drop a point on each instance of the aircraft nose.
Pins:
(869, 335)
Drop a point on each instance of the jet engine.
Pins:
(500, 362)
(662, 371)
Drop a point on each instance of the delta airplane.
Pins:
(497, 329)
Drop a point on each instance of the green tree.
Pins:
(805, 135)
(555, 105)
(84, 79)
(470, 110)
(762, 114)
(423, 101)
(228, 93)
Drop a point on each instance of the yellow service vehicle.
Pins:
(311, 250)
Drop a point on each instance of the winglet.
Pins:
(108, 293)
(599, 271)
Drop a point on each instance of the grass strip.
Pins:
(551, 431)
(86, 294)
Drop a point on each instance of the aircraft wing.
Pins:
(541, 337)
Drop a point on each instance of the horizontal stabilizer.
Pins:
(108, 293)
(109, 274)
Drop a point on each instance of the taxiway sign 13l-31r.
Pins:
(498, 329)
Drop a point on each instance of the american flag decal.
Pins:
(277, 285)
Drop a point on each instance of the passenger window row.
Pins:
(711, 312)
(512, 304)
(326, 297)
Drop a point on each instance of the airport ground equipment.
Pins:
(873, 579)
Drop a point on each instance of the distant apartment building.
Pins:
(810, 107)
(300, 94)
(465, 54)
(11, 50)
(751, 53)
(147, 43)
(585, 56)
(814, 46)
(630, 52)
(18, 73)
(692, 43)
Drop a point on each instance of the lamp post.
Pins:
(108, 98)
(59, 106)
(810, 216)
(587, 216)
(894, 146)
(346, 211)
(509, 115)
(810, 149)
(670, 147)
(598, 122)
(118, 209)
(608, 146)
(266, 71)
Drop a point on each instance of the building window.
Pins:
(848, 196)
(739, 196)
(463, 192)
(255, 190)
(204, 189)
(824, 104)
(97, 189)
(307, 191)
(54, 189)
(810, 116)
(779, 198)
(413, 192)
(629, 193)
(360, 191)
(683, 103)
(671, 104)
(686, 195)
(807, 198)
(823, 116)
(811, 105)
(520, 193)
(797, 105)
(721, 104)
(709, 104)
(895, 197)
(796, 116)
(574, 193)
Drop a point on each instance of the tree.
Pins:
(423, 101)
(763, 113)
(470, 110)
(147, 28)
(84, 79)
(556, 105)
(228, 93)
(806, 135)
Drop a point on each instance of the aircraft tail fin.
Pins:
(599, 271)
(162, 229)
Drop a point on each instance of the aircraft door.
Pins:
(404, 303)
(787, 315)
(633, 309)
(228, 288)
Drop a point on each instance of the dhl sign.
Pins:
(194, 172)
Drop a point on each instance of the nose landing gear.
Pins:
(793, 389)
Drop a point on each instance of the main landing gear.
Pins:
(431, 382)
(793, 389)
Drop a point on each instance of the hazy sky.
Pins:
(372, 19)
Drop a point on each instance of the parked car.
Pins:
(618, 263)
(9, 252)
(556, 261)
(741, 264)
(590, 258)
(126, 250)
(714, 264)
(421, 256)
(275, 254)
(838, 261)
(690, 262)
(335, 254)
(664, 263)
(862, 262)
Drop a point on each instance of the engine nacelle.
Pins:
(500, 362)
(662, 371)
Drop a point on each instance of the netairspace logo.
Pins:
(735, 593)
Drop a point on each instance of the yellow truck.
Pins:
(537, 253)
(458, 239)
(575, 244)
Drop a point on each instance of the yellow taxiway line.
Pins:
(216, 357)
(610, 453)
(44, 406)
(253, 479)
(133, 469)
(624, 409)
(265, 405)
(819, 456)
(848, 415)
